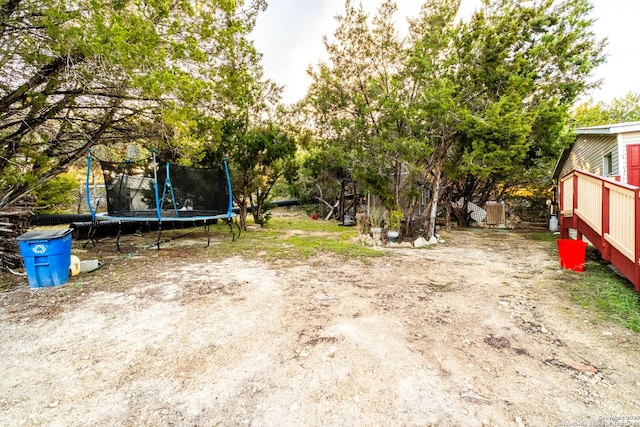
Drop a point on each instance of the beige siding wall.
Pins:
(626, 139)
(622, 220)
(588, 152)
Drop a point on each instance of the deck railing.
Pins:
(604, 211)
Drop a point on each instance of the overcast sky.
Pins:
(289, 35)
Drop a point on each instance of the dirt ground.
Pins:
(477, 331)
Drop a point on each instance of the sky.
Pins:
(289, 35)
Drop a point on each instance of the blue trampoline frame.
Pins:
(160, 214)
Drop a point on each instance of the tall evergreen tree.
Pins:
(360, 99)
(522, 65)
(462, 109)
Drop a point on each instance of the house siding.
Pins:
(588, 151)
(626, 139)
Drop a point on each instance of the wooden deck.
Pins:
(607, 213)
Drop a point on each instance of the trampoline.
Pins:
(148, 193)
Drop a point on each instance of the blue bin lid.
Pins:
(44, 234)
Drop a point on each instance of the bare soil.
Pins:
(477, 331)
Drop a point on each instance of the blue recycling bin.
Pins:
(47, 256)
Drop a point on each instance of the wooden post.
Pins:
(561, 224)
(636, 239)
(606, 222)
(575, 204)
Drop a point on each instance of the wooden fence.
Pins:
(607, 213)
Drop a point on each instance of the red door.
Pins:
(633, 164)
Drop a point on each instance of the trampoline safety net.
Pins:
(185, 192)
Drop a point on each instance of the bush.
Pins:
(57, 195)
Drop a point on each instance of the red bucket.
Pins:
(572, 254)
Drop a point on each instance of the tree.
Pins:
(91, 72)
(470, 107)
(246, 129)
(435, 109)
(391, 104)
(360, 101)
(619, 110)
(523, 65)
(261, 158)
(316, 183)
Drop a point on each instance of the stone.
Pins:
(420, 242)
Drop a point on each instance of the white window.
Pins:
(607, 164)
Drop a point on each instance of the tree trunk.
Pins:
(242, 205)
(433, 206)
(461, 214)
(397, 181)
(257, 207)
(447, 218)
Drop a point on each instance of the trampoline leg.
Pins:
(118, 235)
(233, 236)
(159, 234)
(91, 235)
(206, 229)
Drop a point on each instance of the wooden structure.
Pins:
(496, 215)
(607, 213)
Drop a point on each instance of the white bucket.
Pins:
(89, 265)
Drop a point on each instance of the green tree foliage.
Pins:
(460, 109)
(619, 110)
(523, 65)
(361, 102)
(58, 194)
(260, 157)
(316, 180)
(242, 123)
(435, 107)
(87, 72)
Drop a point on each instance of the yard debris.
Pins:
(582, 367)
(475, 397)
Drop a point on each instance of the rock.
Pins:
(433, 240)
(332, 350)
(420, 242)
